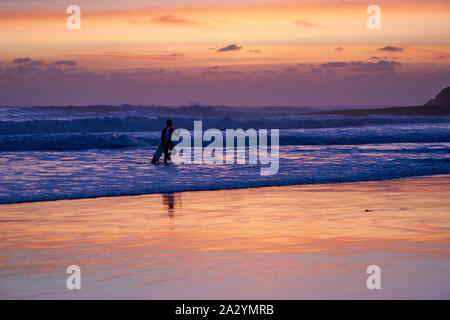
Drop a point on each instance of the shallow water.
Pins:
(50, 153)
(311, 241)
(38, 176)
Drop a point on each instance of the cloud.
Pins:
(254, 51)
(314, 70)
(67, 63)
(380, 66)
(360, 66)
(391, 49)
(334, 65)
(34, 86)
(36, 63)
(213, 70)
(231, 47)
(22, 60)
(52, 71)
(233, 72)
(169, 19)
(305, 23)
(145, 72)
(28, 62)
(290, 69)
(151, 57)
(265, 72)
(210, 72)
(339, 49)
(175, 54)
(21, 71)
(74, 69)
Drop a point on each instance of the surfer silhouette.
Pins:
(165, 143)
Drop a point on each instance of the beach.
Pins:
(288, 242)
(239, 150)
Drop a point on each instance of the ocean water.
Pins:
(50, 153)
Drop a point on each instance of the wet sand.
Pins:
(295, 242)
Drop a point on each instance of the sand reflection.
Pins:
(171, 201)
(250, 243)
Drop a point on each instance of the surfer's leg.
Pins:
(155, 158)
(166, 155)
(158, 152)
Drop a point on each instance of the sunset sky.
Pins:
(246, 52)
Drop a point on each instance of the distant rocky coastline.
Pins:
(439, 106)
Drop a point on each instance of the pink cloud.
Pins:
(169, 19)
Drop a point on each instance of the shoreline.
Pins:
(226, 188)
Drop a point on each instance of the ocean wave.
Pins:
(64, 142)
(143, 124)
(308, 137)
(106, 151)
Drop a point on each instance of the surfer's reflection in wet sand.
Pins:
(171, 200)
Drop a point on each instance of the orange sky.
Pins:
(186, 36)
(192, 30)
